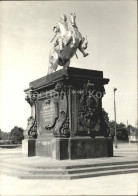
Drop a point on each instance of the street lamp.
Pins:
(115, 119)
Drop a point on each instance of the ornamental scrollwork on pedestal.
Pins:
(65, 128)
(90, 117)
(31, 130)
(61, 128)
(87, 108)
(61, 88)
(31, 97)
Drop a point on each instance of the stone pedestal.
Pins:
(28, 147)
(73, 148)
(67, 115)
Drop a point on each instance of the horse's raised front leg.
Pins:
(85, 42)
(83, 51)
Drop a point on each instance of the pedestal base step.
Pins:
(25, 171)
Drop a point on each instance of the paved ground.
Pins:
(124, 184)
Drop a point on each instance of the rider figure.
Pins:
(65, 34)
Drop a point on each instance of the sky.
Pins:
(26, 31)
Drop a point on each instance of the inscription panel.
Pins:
(47, 115)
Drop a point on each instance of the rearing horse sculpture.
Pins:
(66, 45)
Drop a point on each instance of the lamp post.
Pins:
(115, 119)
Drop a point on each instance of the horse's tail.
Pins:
(53, 61)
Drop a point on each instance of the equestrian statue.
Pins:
(67, 43)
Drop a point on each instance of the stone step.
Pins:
(32, 170)
(20, 171)
(67, 165)
(104, 173)
(105, 168)
(103, 164)
(13, 168)
(12, 172)
(61, 167)
(83, 170)
(77, 176)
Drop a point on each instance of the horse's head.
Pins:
(72, 18)
(63, 17)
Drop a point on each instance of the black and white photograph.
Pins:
(68, 98)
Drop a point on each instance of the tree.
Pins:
(121, 126)
(122, 132)
(16, 135)
(4, 135)
(132, 130)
